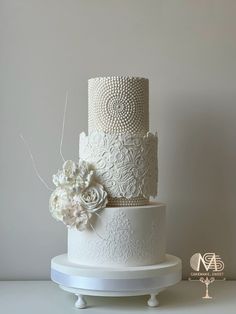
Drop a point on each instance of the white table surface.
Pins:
(45, 297)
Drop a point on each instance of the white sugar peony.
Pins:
(70, 168)
(60, 200)
(85, 175)
(67, 175)
(77, 175)
(65, 207)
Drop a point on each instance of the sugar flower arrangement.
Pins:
(77, 195)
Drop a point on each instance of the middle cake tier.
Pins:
(126, 165)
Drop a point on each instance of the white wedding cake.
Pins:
(105, 198)
(116, 233)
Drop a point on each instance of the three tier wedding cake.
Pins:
(116, 235)
(107, 193)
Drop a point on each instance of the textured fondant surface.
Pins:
(118, 105)
(126, 164)
(124, 236)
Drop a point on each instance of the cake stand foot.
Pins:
(153, 302)
(80, 303)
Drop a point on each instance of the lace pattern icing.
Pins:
(126, 164)
(120, 243)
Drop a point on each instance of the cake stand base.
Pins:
(115, 282)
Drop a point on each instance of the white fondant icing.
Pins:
(125, 236)
(126, 164)
(118, 105)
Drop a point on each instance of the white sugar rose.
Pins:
(85, 175)
(93, 198)
(60, 200)
(76, 217)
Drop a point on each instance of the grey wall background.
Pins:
(188, 51)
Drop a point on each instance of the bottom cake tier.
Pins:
(121, 237)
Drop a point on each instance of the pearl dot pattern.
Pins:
(118, 105)
(122, 201)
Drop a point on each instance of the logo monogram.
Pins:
(208, 260)
(212, 266)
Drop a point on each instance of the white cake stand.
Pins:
(115, 282)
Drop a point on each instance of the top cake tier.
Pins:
(118, 104)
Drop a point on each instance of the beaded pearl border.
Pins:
(127, 202)
(118, 104)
